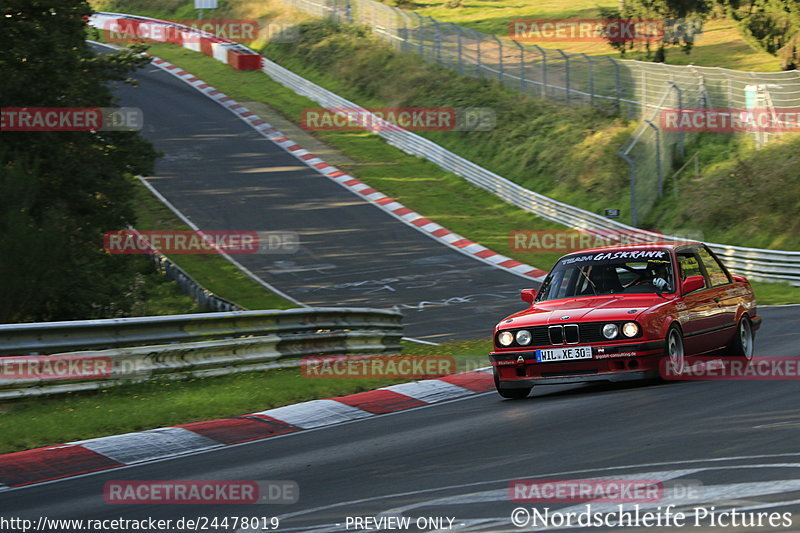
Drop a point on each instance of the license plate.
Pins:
(563, 354)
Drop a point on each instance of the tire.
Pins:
(674, 352)
(743, 342)
(511, 394)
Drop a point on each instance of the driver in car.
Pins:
(659, 275)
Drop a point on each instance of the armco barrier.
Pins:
(182, 346)
(758, 264)
(43, 338)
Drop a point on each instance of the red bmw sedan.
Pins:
(618, 313)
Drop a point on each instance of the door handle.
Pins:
(716, 299)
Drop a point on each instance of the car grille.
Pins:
(561, 334)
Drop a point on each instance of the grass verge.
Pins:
(212, 271)
(31, 423)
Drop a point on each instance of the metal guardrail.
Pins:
(42, 338)
(758, 264)
(187, 346)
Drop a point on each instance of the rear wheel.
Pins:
(511, 394)
(742, 345)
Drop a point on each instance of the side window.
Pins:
(714, 269)
(688, 266)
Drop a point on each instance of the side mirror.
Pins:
(528, 295)
(692, 283)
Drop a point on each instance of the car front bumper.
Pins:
(620, 362)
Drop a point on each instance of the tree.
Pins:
(60, 191)
(680, 20)
(772, 26)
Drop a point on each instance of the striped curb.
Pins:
(93, 455)
(362, 190)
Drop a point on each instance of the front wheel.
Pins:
(742, 345)
(511, 394)
(676, 360)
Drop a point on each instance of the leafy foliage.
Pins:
(60, 191)
(680, 21)
(771, 25)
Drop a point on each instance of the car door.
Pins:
(727, 301)
(700, 318)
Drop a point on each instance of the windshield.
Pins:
(602, 273)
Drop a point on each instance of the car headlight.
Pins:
(630, 329)
(610, 331)
(505, 338)
(523, 337)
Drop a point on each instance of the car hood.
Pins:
(584, 309)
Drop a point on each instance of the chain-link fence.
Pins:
(636, 89)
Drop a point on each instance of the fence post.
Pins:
(658, 157)
(460, 58)
(500, 73)
(544, 70)
(591, 78)
(419, 35)
(681, 134)
(521, 65)
(404, 39)
(437, 41)
(566, 70)
(617, 82)
(632, 184)
(478, 53)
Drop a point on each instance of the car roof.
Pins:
(670, 245)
